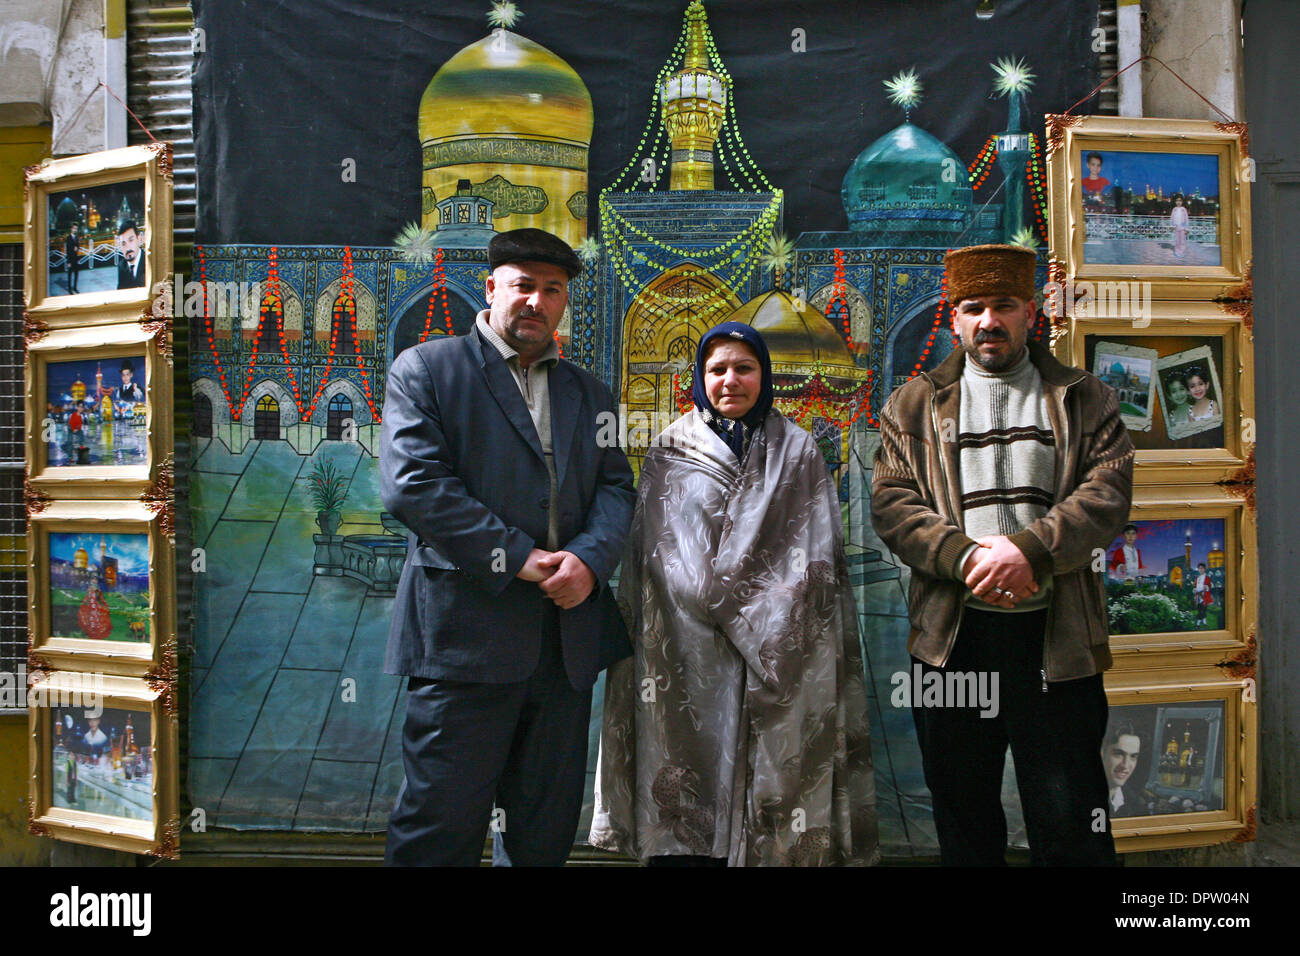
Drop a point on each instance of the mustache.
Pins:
(990, 335)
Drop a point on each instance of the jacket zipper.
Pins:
(1065, 419)
(961, 603)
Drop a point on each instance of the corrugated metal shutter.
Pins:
(159, 63)
(1107, 102)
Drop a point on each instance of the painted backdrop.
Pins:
(799, 168)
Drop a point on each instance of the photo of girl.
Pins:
(1189, 392)
(1179, 221)
(1205, 408)
(1177, 408)
(1152, 209)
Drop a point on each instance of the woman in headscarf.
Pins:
(737, 732)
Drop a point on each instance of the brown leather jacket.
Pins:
(916, 509)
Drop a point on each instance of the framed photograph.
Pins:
(1180, 577)
(1190, 394)
(1130, 370)
(103, 756)
(1155, 200)
(98, 234)
(1199, 422)
(97, 411)
(1180, 760)
(98, 592)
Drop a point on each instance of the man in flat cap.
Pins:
(503, 617)
(1001, 477)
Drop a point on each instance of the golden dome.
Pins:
(80, 558)
(799, 340)
(506, 85)
(515, 120)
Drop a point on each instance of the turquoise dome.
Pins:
(907, 181)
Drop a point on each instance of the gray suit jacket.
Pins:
(461, 466)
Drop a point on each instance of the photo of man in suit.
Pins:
(72, 258)
(503, 617)
(129, 392)
(1119, 755)
(130, 263)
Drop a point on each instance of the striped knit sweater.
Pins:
(1008, 457)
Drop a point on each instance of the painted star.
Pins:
(504, 14)
(415, 243)
(904, 89)
(1013, 76)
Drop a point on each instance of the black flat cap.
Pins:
(532, 245)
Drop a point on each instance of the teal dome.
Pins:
(907, 181)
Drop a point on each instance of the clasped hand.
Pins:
(998, 572)
(562, 575)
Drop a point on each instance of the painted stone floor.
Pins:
(294, 725)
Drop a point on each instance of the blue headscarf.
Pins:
(731, 431)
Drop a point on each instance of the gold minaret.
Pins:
(694, 105)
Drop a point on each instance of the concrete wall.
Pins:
(52, 55)
(78, 68)
(1201, 41)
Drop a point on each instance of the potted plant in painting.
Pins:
(327, 486)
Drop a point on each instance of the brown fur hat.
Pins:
(990, 270)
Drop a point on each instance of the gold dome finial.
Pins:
(697, 46)
(515, 120)
(694, 107)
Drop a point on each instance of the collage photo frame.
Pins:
(1179, 757)
(104, 761)
(99, 585)
(1150, 359)
(1181, 578)
(1160, 201)
(98, 411)
(98, 231)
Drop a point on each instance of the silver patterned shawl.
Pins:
(738, 728)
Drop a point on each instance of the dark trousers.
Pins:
(469, 746)
(1055, 740)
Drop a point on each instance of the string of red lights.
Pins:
(207, 328)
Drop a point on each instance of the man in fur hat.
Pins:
(1002, 476)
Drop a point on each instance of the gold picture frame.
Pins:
(1193, 782)
(99, 778)
(1208, 614)
(1186, 337)
(87, 598)
(114, 384)
(1118, 220)
(62, 192)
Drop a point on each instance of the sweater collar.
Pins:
(1021, 366)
